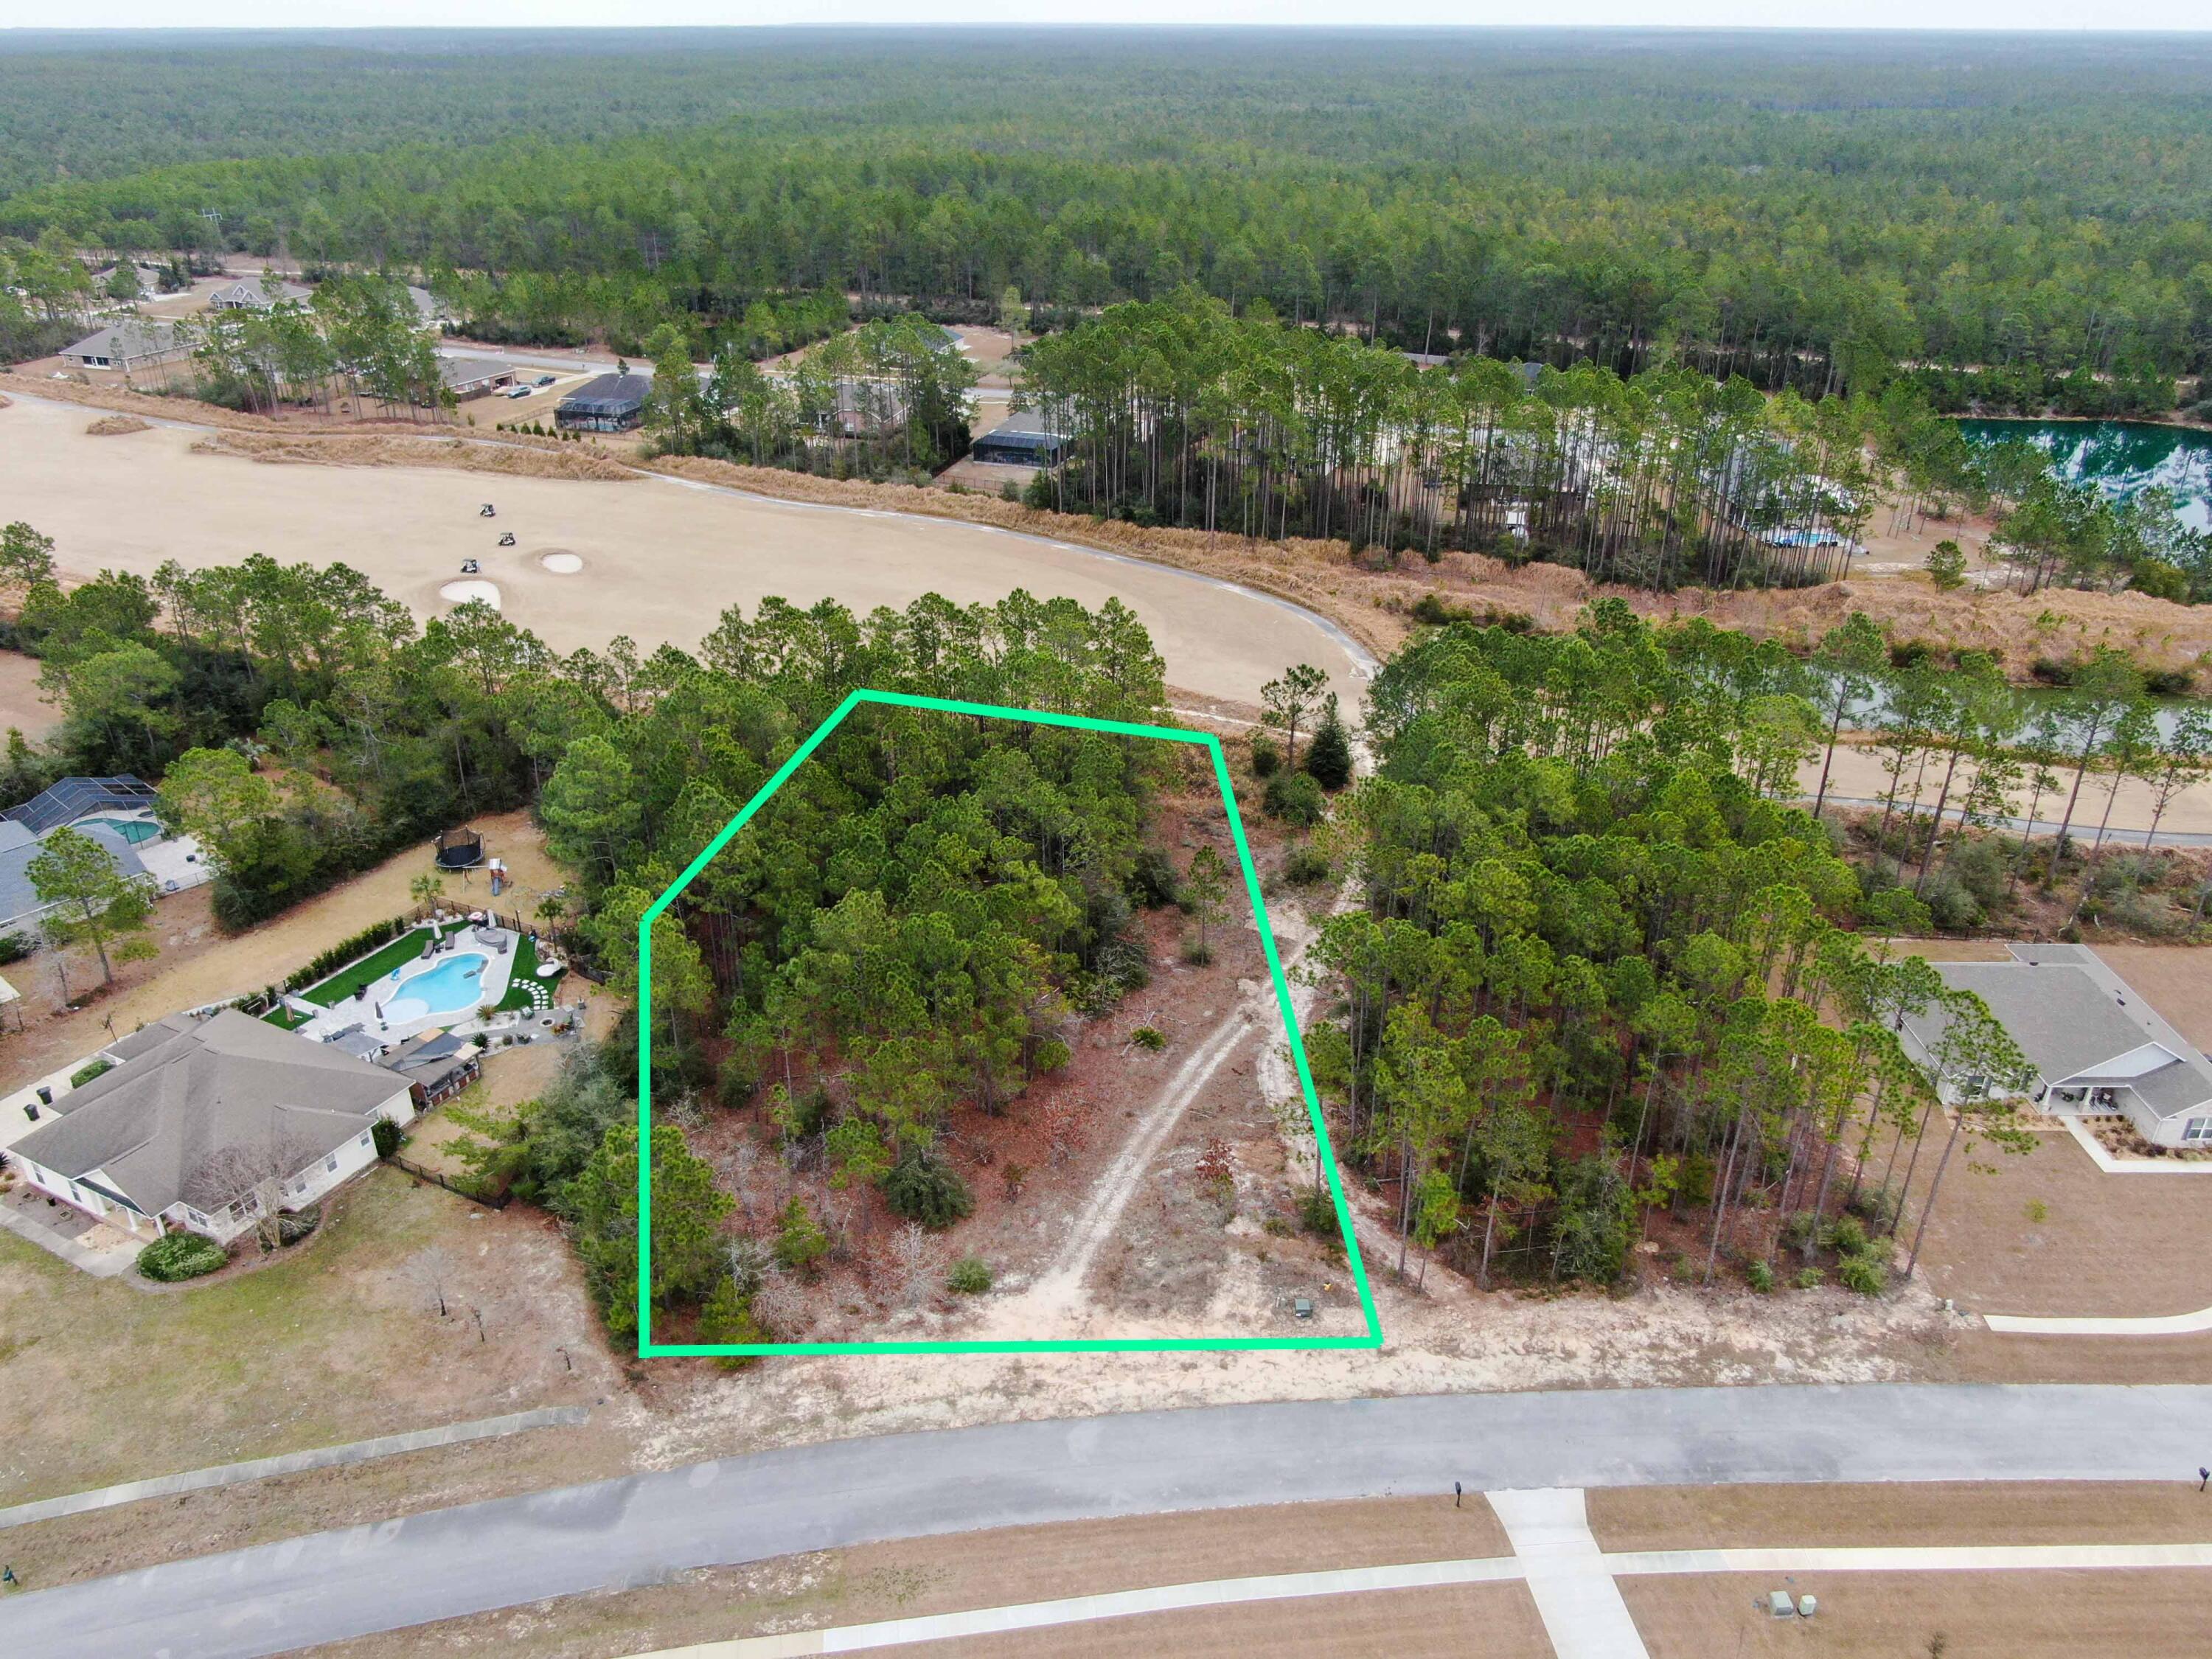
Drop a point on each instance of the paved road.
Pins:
(615, 1533)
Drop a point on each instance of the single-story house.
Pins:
(206, 1123)
(2094, 1047)
(474, 377)
(1021, 440)
(612, 403)
(21, 909)
(129, 346)
(254, 294)
(117, 806)
(71, 800)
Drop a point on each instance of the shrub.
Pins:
(1760, 1277)
(727, 1317)
(2037, 1211)
(1154, 882)
(1950, 906)
(2168, 681)
(386, 1135)
(1947, 565)
(1051, 1055)
(85, 1074)
(923, 1188)
(14, 947)
(1863, 1273)
(1266, 759)
(1811, 1280)
(180, 1255)
(295, 1225)
(1296, 797)
(1878, 1205)
(1307, 863)
(345, 951)
(1150, 1038)
(1328, 756)
(970, 1276)
(799, 1240)
(1848, 1237)
(1195, 951)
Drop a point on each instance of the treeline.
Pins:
(1798, 211)
(1582, 989)
(1181, 413)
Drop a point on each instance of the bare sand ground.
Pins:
(661, 558)
(1856, 775)
(20, 706)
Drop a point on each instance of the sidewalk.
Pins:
(102, 1259)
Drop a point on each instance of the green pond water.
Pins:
(2120, 457)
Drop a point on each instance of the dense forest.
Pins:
(1586, 983)
(1805, 211)
(1574, 1001)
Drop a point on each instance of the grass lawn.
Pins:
(289, 1019)
(524, 976)
(369, 968)
(100, 1383)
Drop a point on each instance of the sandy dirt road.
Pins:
(660, 558)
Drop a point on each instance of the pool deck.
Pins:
(369, 1011)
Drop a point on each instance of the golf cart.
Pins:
(507, 538)
(470, 566)
(485, 512)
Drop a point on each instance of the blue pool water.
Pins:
(133, 831)
(455, 986)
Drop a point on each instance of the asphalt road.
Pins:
(636, 1530)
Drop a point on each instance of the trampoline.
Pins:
(459, 849)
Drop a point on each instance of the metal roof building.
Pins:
(612, 403)
(1021, 440)
(71, 798)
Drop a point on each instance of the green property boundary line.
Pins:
(648, 1348)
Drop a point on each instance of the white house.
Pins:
(2096, 1047)
(203, 1123)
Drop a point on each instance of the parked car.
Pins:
(517, 391)
(545, 379)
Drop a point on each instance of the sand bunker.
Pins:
(462, 592)
(561, 562)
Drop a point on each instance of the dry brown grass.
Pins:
(115, 426)
(468, 455)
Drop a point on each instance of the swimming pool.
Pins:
(454, 986)
(133, 831)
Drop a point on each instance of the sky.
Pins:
(2003, 15)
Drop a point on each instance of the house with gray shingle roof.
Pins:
(2095, 1047)
(256, 295)
(207, 1124)
(130, 345)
